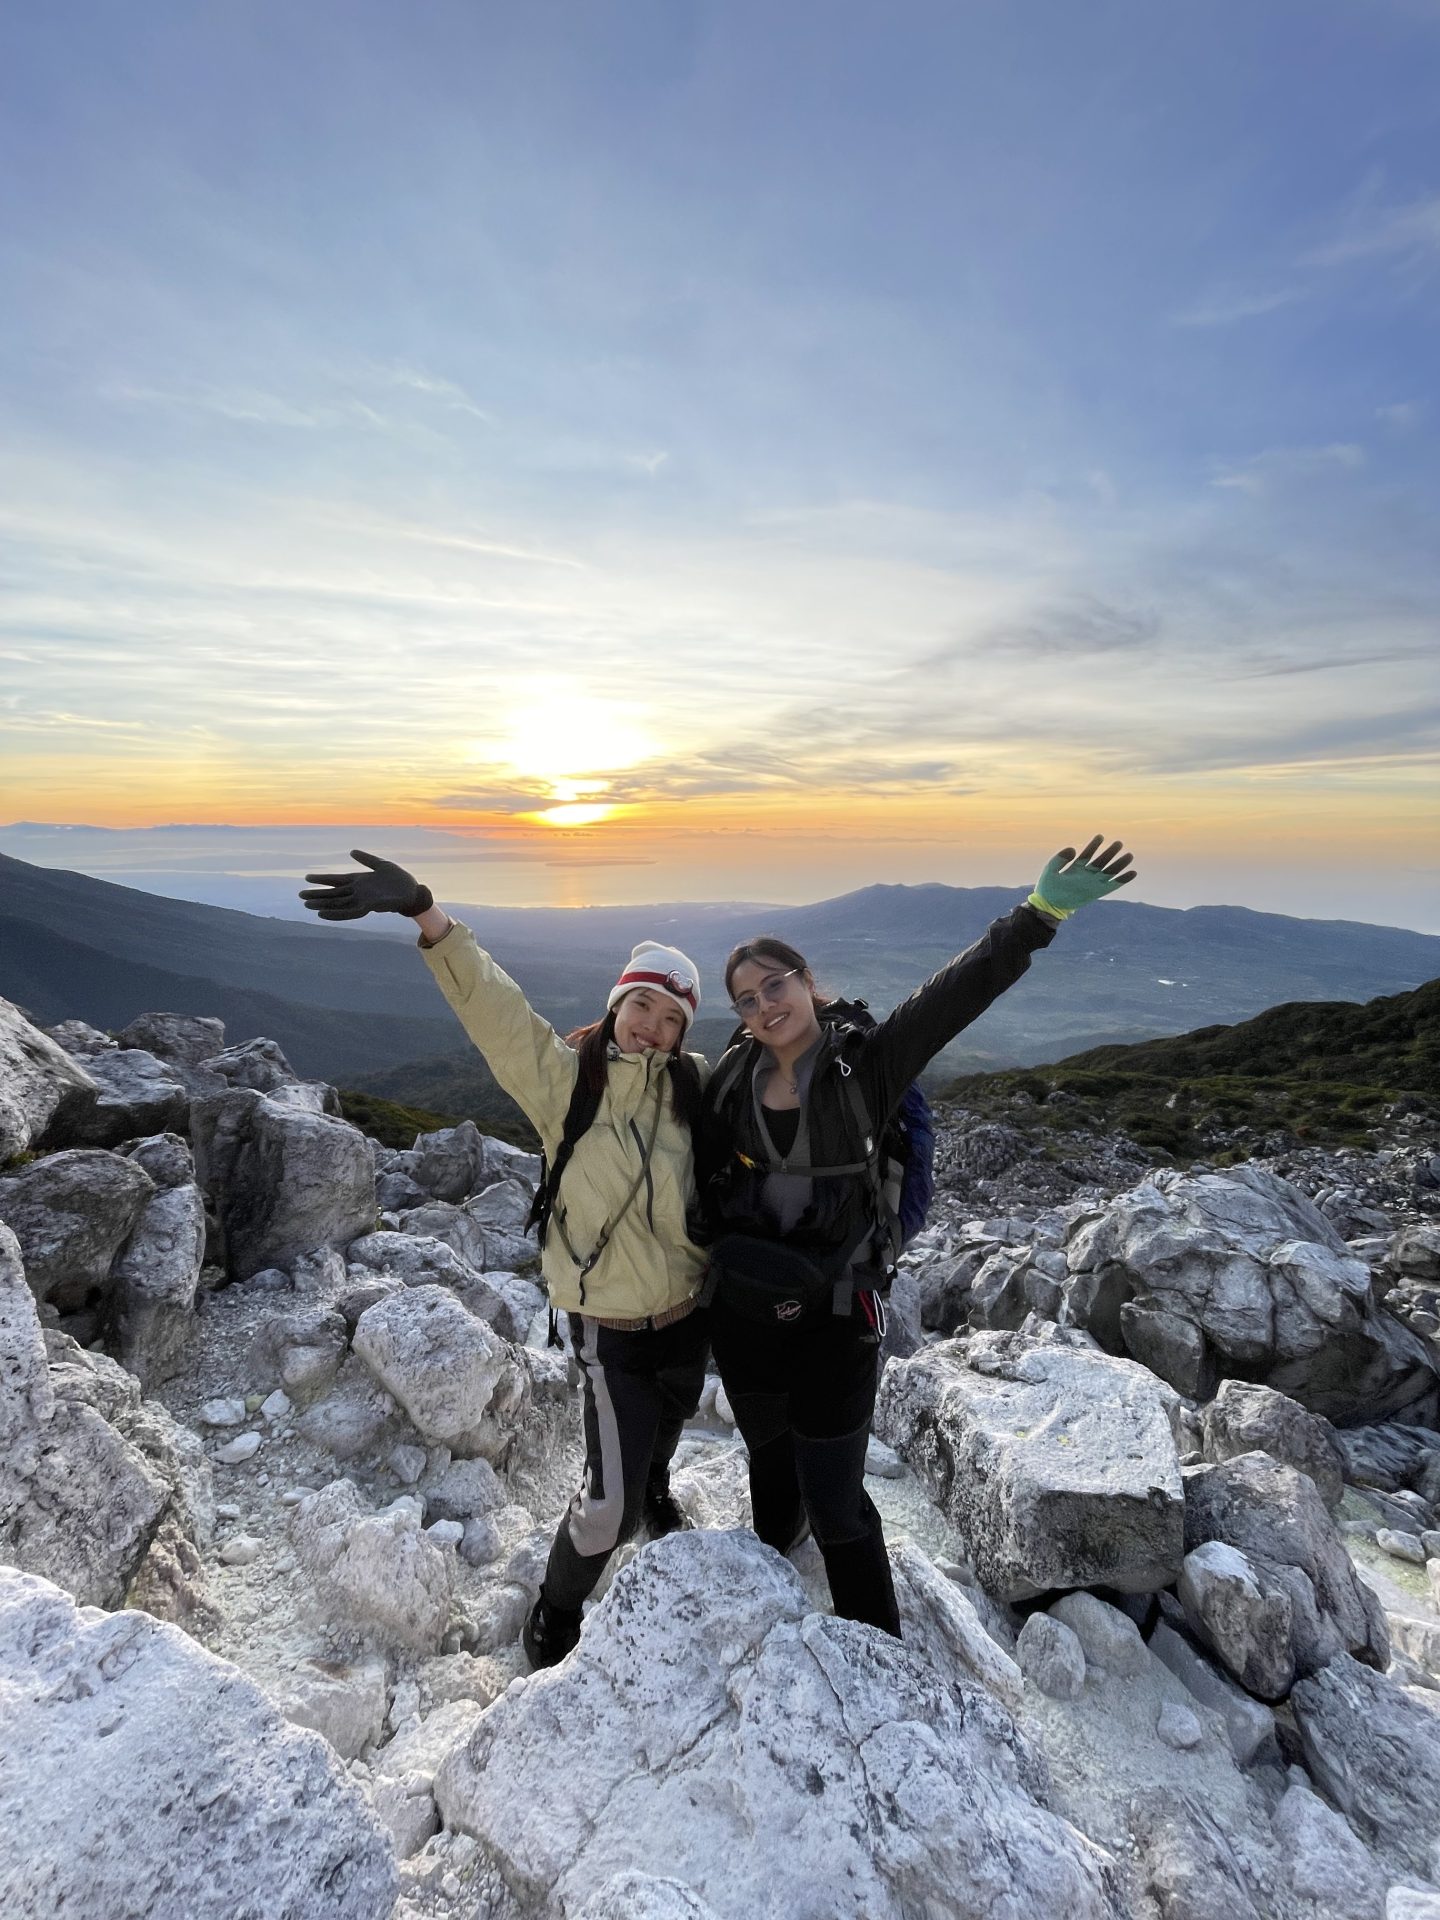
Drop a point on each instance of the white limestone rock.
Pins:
(26, 1399)
(1327, 1866)
(143, 1779)
(37, 1077)
(1247, 1418)
(1056, 1465)
(72, 1213)
(406, 1808)
(94, 1487)
(1051, 1657)
(282, 1181)
(153, 1283)
(182, 1039)
(1110, 1638)
(377, 1573)
(1375, 1751)
(342, 1700)
(448, 1163)
(940, 1624)
(710, 1480)
(1178, 1727)
(1275, 1516)
(1249, 1723)
(440, 1362)
(1245, 1622)
(1262, 1282)
(779, 1754)
(135, 1094)
(644, 1896)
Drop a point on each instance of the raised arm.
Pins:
(902, 1046)
(525, 1054)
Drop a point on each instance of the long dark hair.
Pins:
(592, 1043)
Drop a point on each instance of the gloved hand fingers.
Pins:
(1123, 878)
(1060, 860)
(1082, 859)
(335, 879)
(331, 894)
(1102, 860)
(343, 913)
(371, 860)
(1114, 867)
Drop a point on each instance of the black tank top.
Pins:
(782, 1124)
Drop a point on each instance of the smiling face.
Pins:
(783, 1015)
(645, 1020)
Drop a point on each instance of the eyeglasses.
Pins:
(748, 1004)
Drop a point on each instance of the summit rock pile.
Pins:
(282, 1449)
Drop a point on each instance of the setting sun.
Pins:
(573, 815)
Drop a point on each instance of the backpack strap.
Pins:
(886, 1225)
(579, 1118)
(618, 1215)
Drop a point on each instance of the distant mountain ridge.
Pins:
(353, 1004)
(1322, 1072)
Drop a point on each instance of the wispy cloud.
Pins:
(1401, 416)
(1408, 234)
(1279, 465)
(1226, 310)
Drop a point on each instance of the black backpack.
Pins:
(899, 1167)
(579, 1118)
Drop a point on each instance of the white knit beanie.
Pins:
(664, 970)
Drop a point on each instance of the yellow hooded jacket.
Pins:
(650, 1263)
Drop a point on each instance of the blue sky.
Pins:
(941, 419)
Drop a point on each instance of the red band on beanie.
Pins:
(678, 985)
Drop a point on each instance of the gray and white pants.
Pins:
(640, 1388)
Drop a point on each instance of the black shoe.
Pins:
(549, 1633)
(661, 1514)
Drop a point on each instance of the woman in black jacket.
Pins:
(801, 1258)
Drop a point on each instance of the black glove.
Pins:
(386, 888)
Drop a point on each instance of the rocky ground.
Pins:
(281, 1449)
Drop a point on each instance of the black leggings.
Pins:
(640, 1389)
(803, 1398)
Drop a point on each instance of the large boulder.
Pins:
(135, 1093)
(449, 1163)
(1204, 1275)
(152, 1292)
(482, 1243)
(421, 1260)
(26, 1399)
(143, 1779)
(378, 1574)
(37, 1077)
(440, 1362)
(182, 1039)
(100, 1492)
(1312, 1603)
(1056, 1463)
(1374, 1748)
(780, 1755)
(282, 1180)
(72, 1212)
(1247, 1418)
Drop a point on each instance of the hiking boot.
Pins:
(549, 1633)
(661, 1513)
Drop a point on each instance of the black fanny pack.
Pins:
(765, 1280)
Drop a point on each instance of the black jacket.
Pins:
(885, 1059)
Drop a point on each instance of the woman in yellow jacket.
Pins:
(618, 1258)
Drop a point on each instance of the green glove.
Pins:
(1073, 879)
(386, 888)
